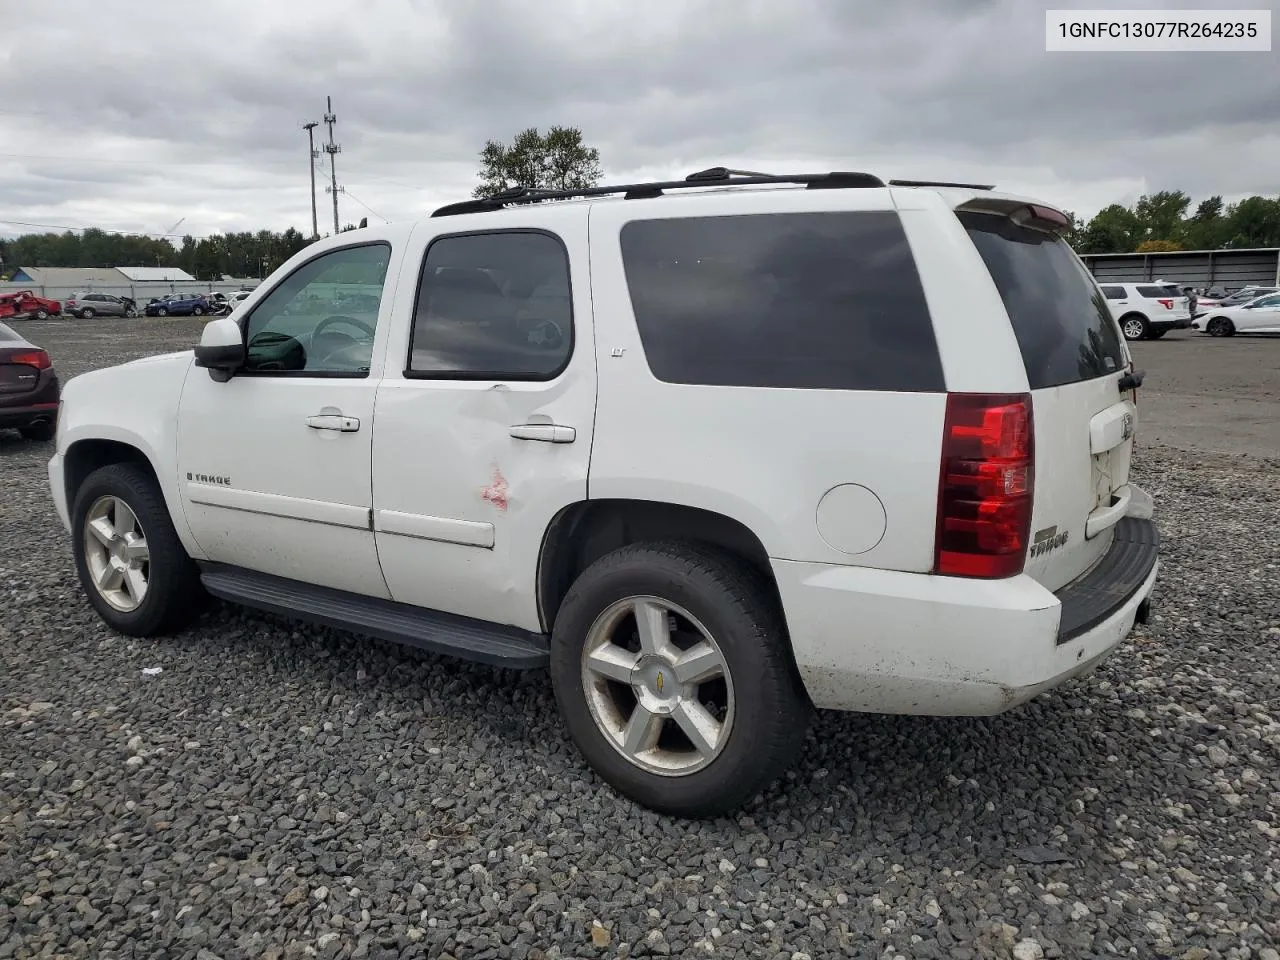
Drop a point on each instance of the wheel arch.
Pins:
(86, 454)
(584, 531)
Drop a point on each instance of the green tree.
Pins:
(1160, 215)
(1253, 222)
(560, 160)
(1114, 229)
(1206, 229)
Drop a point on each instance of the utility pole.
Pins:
(312, 154)
(332, 149)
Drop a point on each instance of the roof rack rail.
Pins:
(941, 183)
(713, 176)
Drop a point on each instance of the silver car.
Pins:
(86, 305)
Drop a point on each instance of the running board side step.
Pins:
(430, 630)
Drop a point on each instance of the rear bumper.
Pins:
(887, 642)
(28, 416)
(39, 405)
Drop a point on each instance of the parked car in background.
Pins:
(1261, 315)
(1181, 290)
(28, 387)
(1147, 311)
(179, 305)
(85, 306)
(26, 305)
(1237, 299)
(237, 298)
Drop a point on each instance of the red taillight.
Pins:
(1167, 304)
(986, 486)
(38, 359)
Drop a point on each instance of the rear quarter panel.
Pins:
(765, 457)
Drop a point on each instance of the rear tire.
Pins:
(753, 719)
(141, 596)
(198, 311)
(1134, 326)
(86, 313)
(131, 313)
(1220, 327)
(162, 312)
(40, 432)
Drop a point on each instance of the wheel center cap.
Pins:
(118, 549)
(655, 684)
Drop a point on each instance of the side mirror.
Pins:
(221, 350)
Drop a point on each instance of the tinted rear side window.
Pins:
(1158, 293)
(1113, 293)
(1061, 320)
(826, 301)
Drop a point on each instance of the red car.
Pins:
(24, 305)
(29, 390)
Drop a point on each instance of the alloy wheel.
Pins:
(658, 686)
(116, 553)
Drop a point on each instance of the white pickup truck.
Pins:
(715, 451)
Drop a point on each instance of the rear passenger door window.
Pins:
(826, 301)
(493, 306)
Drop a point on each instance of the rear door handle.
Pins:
(546, 432)
(334, 422)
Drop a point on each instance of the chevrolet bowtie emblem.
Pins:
(659, 682)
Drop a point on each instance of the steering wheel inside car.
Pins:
(346, 340)
(542, 333)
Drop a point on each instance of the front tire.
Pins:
(671, 669)
(1134, 327)
(133, 567)
(1220, 327)
(42, 314)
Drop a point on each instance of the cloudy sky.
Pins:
(133, 120)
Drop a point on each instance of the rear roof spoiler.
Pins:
(1029, 213)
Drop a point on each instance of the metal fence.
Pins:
(141, 292)
(1191, 268)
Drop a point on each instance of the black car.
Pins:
(29, 388)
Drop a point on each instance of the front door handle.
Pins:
(546, 432)
(334, 422)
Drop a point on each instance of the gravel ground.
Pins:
(281, 791)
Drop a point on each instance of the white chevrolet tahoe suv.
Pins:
(716, 452)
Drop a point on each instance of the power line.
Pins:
(190, 163)
(365, 205)
(123, 233)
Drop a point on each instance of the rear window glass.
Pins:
(1061, 320)
(825, 301)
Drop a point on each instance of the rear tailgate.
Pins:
(1075, 358)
